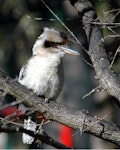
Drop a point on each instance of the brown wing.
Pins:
(23, 71)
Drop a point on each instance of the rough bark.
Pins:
(54, 111)
(71, 117)
(109, 80)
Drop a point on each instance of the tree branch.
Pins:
(109, 80)
(71, 117)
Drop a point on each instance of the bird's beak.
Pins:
(68, 50)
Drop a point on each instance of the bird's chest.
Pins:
(42, 70)
(42, 76)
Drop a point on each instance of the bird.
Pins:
(43, 73)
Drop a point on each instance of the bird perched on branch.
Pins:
(43, 72)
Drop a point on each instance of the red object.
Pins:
(41, 117)
(11, 110)
(65, 136)
(65, 133)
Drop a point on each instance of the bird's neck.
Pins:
(49, 60)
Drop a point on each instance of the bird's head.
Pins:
(52, 41)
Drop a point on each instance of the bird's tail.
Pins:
(29, 124)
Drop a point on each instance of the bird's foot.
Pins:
(11, 80)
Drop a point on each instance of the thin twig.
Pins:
(117, 51)
(111, 11)
(91, 92)
(73, 35)
(9, 121)
(110, 29)
(109, 36)
(11, 104)
(105, 24)
(98, 119)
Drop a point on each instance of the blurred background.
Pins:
(18, 32)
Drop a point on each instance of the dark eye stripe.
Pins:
(48, 44)
(52, 44)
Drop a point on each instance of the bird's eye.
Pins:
(63, 35)
(47, 44)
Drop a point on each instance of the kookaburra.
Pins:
(43, 72)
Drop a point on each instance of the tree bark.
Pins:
(71, 117)
(54, 111)
(109, 80)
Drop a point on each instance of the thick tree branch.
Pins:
(68, 116)
(97, 52)
(71, 117)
